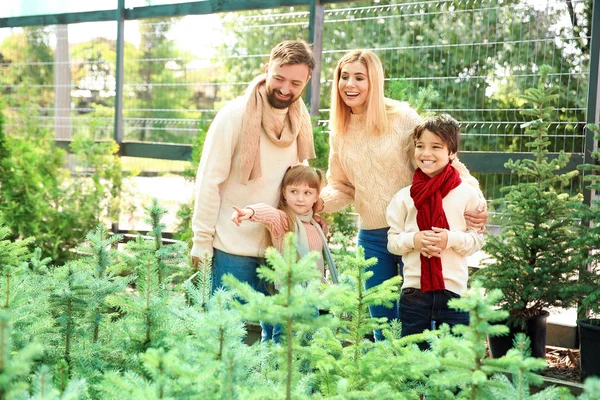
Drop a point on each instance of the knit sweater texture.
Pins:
(277, 223)
(369, 169)
(218, 186)
(462, 241)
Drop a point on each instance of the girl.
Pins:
(299, 192)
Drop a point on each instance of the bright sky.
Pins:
(198, 34)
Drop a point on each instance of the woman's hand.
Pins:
(241, 214)
(477, 219)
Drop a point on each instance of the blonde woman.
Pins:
(371, 158)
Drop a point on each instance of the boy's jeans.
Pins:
(420, 311)
(243, 268)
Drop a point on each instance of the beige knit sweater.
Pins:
(218, 186)
(367, 169)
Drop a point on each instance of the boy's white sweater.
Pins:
(462, 241)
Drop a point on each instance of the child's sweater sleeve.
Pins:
(469, 242)
(400, 241)
(273, 219)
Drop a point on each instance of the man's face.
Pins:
(285, 83)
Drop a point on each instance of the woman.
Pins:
(370, 159)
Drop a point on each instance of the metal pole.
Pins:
(593, 107)
(119, 72)
(315, 36)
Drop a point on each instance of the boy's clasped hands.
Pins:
(431, 243)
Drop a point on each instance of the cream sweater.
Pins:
(367, 169)
(462, 242)
(218, 186)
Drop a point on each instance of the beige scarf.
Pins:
(259, 113)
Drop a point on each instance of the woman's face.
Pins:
(353, 86)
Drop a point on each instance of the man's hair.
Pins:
(293, 52)
(443, 126)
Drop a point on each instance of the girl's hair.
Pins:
(296, 175)
(376, 104)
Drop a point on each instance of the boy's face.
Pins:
(432, 154)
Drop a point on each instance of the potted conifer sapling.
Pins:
(532, 260)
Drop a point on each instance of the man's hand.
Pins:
(241, 214)
(322, 224)
(318, 207)
(477, 219)
(196, 262)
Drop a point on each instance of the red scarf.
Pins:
(427, 194)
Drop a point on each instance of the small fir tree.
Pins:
(14, 365)
(533, 258)
(101, 257)
(300, 295)
(69, 299)
(588, 243)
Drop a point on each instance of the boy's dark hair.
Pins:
(443, 126)
(293, 52)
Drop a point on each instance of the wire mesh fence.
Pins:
(473, 58)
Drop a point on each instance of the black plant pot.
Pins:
(589, 347)
(535, 329)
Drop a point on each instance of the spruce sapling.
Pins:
(533, 258)
(69, 300)
(15, 366)
(300, 295)
(172, 257)
(101, 257)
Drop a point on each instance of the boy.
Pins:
(429, 231)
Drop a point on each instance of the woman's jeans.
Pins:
(428, 310)
(243, 268)
(389, 265)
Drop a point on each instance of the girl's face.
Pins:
(432, 154)
(353, 86)
(300, 197)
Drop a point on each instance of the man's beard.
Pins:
(278, 103)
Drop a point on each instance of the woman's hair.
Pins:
(375, 105)
(296, 175)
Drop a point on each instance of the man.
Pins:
(249, 146)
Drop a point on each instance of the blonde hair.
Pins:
(296, 175)
(376, 105)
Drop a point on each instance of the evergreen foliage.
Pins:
(152, 343)
(533, 258)
(300, 294)
(14, 365)
(589, 241)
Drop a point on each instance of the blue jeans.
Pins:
(389, 265)
(243, 268)
(427, 310)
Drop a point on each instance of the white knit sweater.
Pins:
(218, 186)
(367, 169)
(462, 242)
